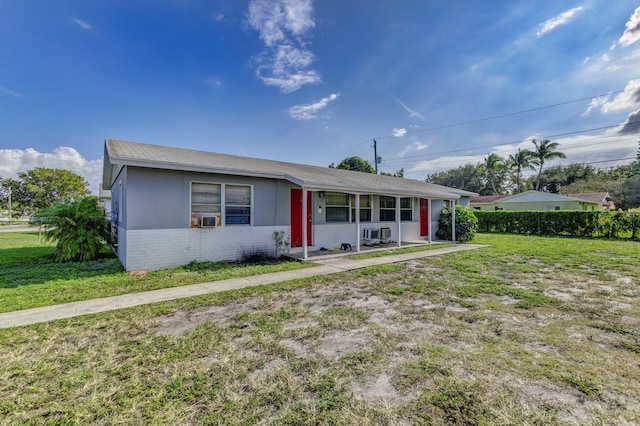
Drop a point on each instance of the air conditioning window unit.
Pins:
(370, 236)
(211, 220)
(385, 235)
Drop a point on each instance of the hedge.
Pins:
(608, 224)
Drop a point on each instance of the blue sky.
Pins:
(437, 84)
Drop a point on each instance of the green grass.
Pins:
(382, 253)
(441, 340)
(30, 278)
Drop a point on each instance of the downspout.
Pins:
(357, 222)
(429, 220)
(398, 221)
(305, 217)
(453, 221)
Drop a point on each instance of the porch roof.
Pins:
(124, 153)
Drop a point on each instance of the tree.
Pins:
(9, 185)
(356, 164)
(80, 229)
(465, 177)
(42, 187)
(556, 179)
(493, 165)
(519, 161)
(545, 150)
(399, 173)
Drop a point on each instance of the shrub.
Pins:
(80, 229)
(562, 222)
(466, 224)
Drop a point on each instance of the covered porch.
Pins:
(361, 221)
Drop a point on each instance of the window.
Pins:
(237, 202)
(406, 209)
(207, 200)
(387, 209)
(337, 206)
(365, 208)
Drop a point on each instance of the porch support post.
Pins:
(398, 221)
(429, 220)
(357, 222)
(305, 218)
(453, 221)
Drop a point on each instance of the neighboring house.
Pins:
(603, 198)
(533, 200)
(104, 200)
(172, 205)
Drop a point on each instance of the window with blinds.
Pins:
(208, 199)
(337, 207)
(237, 202)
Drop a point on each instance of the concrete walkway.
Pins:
(327, 267)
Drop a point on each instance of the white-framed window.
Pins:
(237, 203)
(208, 200)
(337, 207)
(365, 208)
(387, 209)
(406, 209)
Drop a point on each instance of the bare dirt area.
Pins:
(401, 336)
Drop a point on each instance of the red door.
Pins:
(296, 218)
(424, 217)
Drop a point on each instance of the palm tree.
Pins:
(545, 150)
(523, 159)
(493, 163)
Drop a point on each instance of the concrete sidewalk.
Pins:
(327, 267)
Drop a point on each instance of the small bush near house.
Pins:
(79, 228)
(466, 224)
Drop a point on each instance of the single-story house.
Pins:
(171, 205)
(533, 200)
(604, 198)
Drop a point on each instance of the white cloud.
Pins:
(307, 111)
(398, 133)
(218, 17)
(632, 30)
(13, 161)
(416, 146)
(596, 103)
(628, 99)
(82, 24)
(411, 112)
(607, 149)
(214, 82)
(561, 19)
(14, 93)
(283, 26)
(631, 125)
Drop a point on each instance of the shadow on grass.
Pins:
(34, 265)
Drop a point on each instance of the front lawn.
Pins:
(30, 278)
(531, 330)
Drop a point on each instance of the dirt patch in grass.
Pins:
(443, 341)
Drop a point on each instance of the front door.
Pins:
(296, 218)
(424, 217)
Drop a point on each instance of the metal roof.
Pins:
(125, 153)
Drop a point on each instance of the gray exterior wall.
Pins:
(160, 199)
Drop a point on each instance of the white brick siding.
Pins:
(163, 248)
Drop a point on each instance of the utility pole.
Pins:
(375, 155)
(10, 204)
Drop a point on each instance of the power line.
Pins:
(513, 142)
(510, 114)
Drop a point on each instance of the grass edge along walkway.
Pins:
(86, 307)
